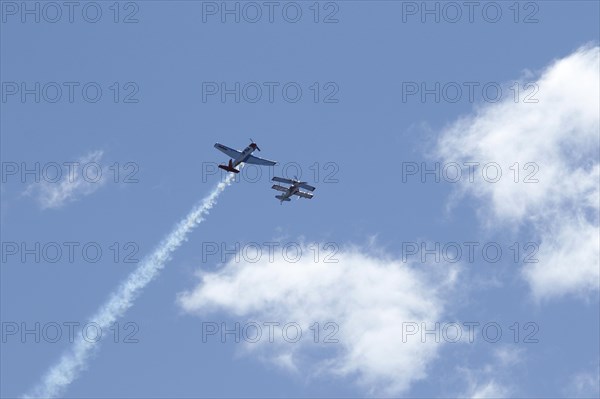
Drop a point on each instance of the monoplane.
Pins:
(245, 156)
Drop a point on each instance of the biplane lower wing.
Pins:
(279, 188)
(303, 194)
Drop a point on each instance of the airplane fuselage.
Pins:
(243, 156)
(290, 191)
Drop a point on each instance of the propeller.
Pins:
(255, 145)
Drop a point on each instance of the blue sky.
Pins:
(360, 134)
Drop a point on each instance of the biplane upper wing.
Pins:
(306, 186)
(290, 181)
(282, 180)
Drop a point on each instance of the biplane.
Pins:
(293, 189)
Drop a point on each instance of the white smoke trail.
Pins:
(74, 361)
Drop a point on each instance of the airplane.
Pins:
(294, 189)
(242, 156)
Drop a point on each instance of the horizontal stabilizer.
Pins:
(229, 168)
(282, 198)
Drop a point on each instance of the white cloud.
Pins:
(560, 134)
(368, 296)
(585, 384)
(488, 389)
(493, 379)
(508, 356)
(72, 185)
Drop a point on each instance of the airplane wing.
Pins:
(306, 186)
(288, 181)
(230, 152)
(279, 188)
(282, 180)
(304, 194)
(258, 161)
